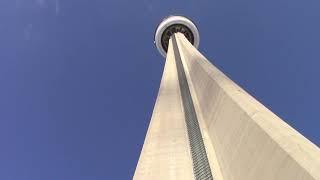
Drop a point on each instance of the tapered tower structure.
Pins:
(204, 126)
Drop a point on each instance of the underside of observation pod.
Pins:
(171, 25)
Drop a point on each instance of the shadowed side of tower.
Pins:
(250, 141)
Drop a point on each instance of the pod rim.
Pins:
(169, 21)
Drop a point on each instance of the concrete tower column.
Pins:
(166, 154)
(204, 126)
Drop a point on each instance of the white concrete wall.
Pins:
(166, 153)
(250, 142)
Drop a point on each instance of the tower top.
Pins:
(171, 25)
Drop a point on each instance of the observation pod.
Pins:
(171, 25)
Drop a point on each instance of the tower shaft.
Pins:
(166, 153)
(242, 139)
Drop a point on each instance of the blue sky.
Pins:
(78, 79)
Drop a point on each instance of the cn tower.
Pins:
(204, 126)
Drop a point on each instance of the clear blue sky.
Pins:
(78, 79)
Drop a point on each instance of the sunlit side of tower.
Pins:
(204, 126)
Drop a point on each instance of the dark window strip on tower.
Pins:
(201, 167)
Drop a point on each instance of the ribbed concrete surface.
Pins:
(251, 143)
